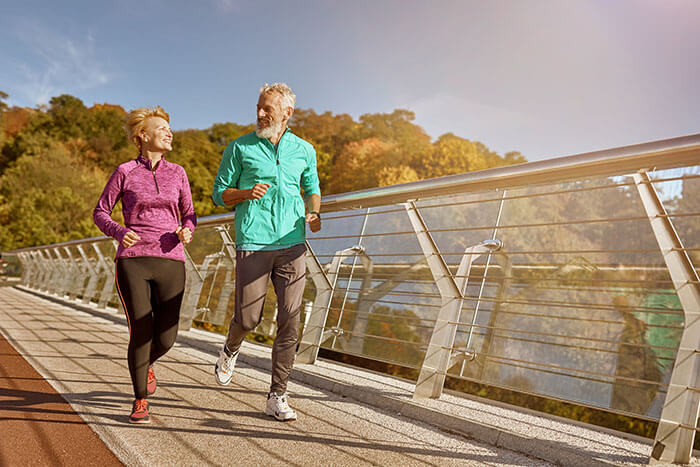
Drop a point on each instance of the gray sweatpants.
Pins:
(253, 270)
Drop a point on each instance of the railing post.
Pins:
(193, 288)
(227, 289)
(227, 252)
(29, 269)
(74, 278)
(109, 282)
(679, 417)
(439, 355)
(93, 271)
(66, 268)
(55, 278)
(41, 270)
(432, 374)
(312, 335)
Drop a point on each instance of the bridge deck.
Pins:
(347, 416)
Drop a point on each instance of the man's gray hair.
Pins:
(285, 91)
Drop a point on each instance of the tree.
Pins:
(359, 164)
(69, 116)
(29, 135)
(3, 108)
(396, 127)
(3, 105)
(199, 156)
(329, 133)
(15, 120)
(221, 134)
(395, 175)
(514, 157)
(48, 199)
(451, 155)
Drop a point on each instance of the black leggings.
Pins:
(151, 290)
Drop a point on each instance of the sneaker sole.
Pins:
(140, 422)
(274, 415)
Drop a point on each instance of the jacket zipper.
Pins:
(279, 187)
(155, 181)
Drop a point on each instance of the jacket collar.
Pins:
(267, 141)
(147, 162)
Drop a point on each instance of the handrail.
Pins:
(674, 152)
(82, 241)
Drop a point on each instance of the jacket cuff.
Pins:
(188, 224)
(119, 236)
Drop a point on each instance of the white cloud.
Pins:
(56, 64)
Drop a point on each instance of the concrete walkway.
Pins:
(346, 416)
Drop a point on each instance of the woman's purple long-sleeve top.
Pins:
(154, 204)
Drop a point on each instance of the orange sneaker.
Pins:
(139, 414)
(152, 384)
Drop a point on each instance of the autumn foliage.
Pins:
(55, 159)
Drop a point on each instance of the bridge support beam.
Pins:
(679, 417)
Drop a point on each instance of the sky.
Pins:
(546, 78)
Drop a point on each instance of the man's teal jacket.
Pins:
(277, 219)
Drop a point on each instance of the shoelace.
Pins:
(151, 375)
(282, 402)
(226, 364)
(141, 405)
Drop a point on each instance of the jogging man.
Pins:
(262, 175)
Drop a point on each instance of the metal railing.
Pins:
(572, 278)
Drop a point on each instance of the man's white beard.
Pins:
(270, 131)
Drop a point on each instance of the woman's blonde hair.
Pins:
(136, 120)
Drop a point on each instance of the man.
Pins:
(262, 174)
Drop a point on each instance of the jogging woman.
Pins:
(150, 260)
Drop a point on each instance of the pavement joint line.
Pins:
(210, 343)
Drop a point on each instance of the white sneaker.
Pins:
(278, 407)
(224, 367)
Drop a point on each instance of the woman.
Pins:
(150, 260)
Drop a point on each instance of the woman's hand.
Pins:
(130, 239)
(185, 235)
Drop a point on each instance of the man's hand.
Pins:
(130, 239)
(185, 235)
(314, 222)
(258, 191)
(233, 196)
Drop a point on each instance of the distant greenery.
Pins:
(55, 160)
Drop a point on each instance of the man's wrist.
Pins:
(318, 214)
